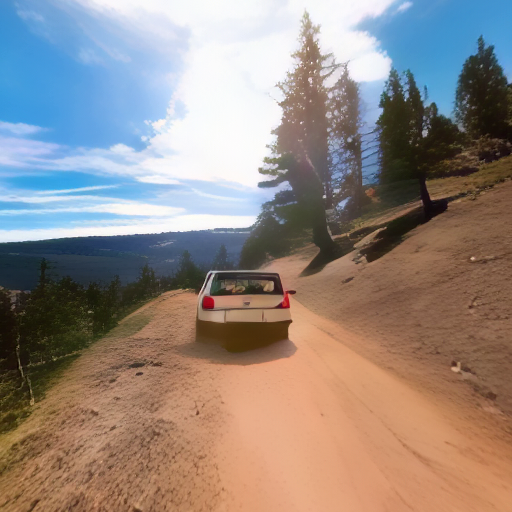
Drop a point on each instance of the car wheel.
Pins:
(200, 330)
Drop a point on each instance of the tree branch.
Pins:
(271, 183)
(370, 155)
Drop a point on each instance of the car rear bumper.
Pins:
(262, 331)
(244, 316)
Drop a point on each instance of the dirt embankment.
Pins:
(443, 295)
(129, 426)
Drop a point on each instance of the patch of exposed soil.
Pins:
(129, 427)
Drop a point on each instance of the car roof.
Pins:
(262, 272)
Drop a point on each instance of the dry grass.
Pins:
(14, 400)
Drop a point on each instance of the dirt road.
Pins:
(444, 294)
(149, 420)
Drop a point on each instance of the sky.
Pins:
(144, 116)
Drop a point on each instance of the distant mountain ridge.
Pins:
(99, 258)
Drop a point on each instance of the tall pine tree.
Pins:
(412, 137)
(221, 260)
(393, 126)
(481, 99)
(8, 331)
(304, 124)
(301, 151)
(345, 140)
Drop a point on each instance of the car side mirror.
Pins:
(291, 292)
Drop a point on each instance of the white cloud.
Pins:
(220, 198)
(29, 15)
(158, 180)
(16, 152)
(136, 208)
(89, 56)
(20, 129)
(126, 209)
(157, 225)
(62, 202)
(71, 190)
(43, 199)
(237, 53)
(403, 7)
(373, 66)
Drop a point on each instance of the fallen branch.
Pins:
(20, 367)
(23, 375)
(32, 400)
(53, 359)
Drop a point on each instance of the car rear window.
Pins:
(246, 284)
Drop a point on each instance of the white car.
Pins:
(243, 298)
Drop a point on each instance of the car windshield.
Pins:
(245, 284)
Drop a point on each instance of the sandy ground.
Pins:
(305, 424)
(443, 295)
(106, 438)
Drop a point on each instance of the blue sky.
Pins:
(139, 116)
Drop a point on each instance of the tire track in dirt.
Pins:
(312, 426)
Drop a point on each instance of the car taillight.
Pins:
(208, 302)
(285, 304)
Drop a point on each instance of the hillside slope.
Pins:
(443, 295)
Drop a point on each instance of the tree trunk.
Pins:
(18, 357)
(24, 377)
(328, 196)
(309, 190)
(358, 193)
(425, 197)
(321, 237)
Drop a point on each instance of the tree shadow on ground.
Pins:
(238, 351)
(345, 245)
(395, 231)
(393, 235)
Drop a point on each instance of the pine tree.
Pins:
(442, 138)
(221, 260)
(345, 140)
(8, 330)
(147, 281)
(481, 99)
(300, 152)
(56, 319)
(304, 124)
(189, 275)
(393, 126)
(416, 112)
(412, 137)
(268, 237)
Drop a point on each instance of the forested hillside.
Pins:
(89, 259)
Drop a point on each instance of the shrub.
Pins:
(489, 149)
